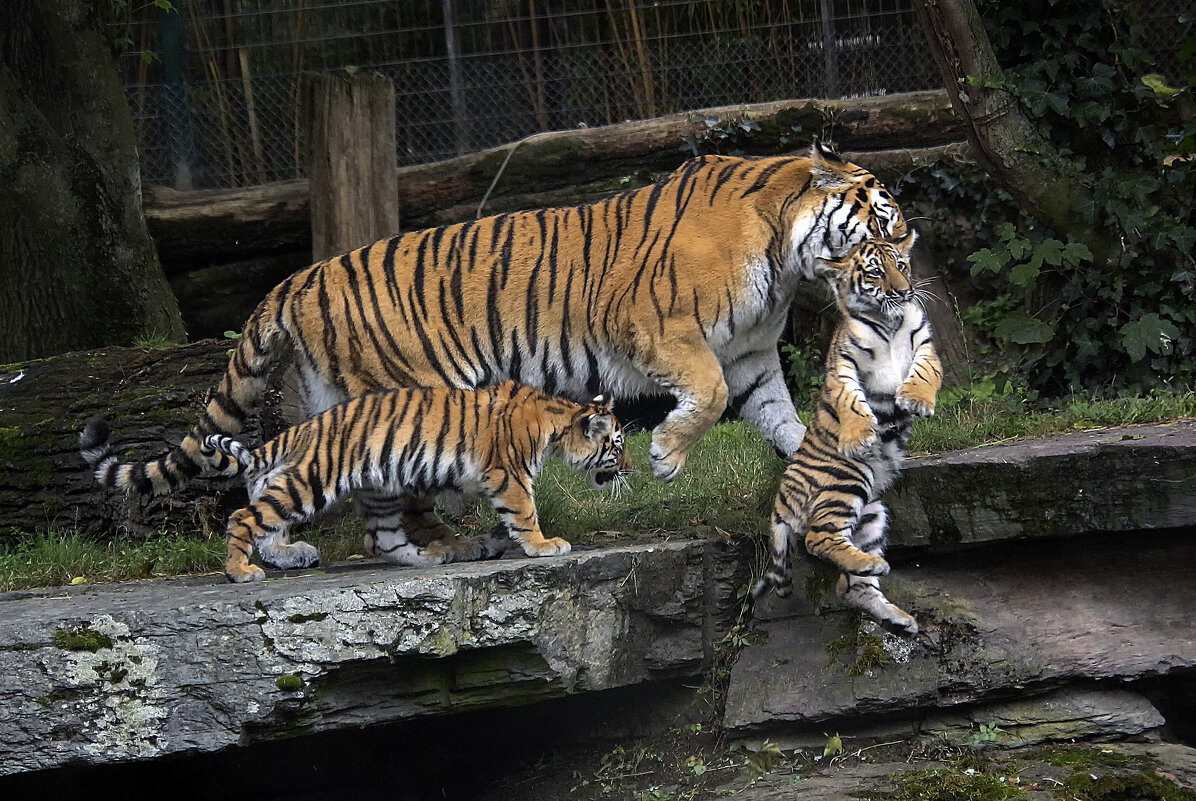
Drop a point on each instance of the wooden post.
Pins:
(350, 122)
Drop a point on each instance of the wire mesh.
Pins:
(219, 107)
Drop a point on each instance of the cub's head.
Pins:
(593, 444)
(873, 277)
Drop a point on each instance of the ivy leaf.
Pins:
(1022, 329)
(1158, 85)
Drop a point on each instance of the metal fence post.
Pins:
(458, 99)
(830, 56)
(178, 113)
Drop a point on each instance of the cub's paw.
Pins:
(244, 575)
(554, 546)
(291, 556)
(856, 437)
(369, 545)
(868, 565)
(914, 402)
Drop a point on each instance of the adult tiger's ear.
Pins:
(906, 243)
(824, 167)
(606, 404)
(829, 269)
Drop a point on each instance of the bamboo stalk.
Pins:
(537, 60)
(649, 106)
(250, 108)
(213, 69)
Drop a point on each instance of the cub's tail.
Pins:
(220, 455)
(260, 347)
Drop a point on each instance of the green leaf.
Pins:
(986, 259)
(834, 745)
(1022, 329)
(1076, 252)
(1023, 275)
(1158, 85)
(1148, 332)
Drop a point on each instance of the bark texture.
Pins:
(77, 267)
(1003, 140)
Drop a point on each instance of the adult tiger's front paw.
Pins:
(666, 464)
(915, 401)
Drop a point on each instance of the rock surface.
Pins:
(997, 625)
(127, 672)
(1130, 478)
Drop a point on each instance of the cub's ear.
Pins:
(906, 243)
(599, 424)
(604, 403)
(821, 152)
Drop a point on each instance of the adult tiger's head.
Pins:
(842, 205)
(593, 444)
(873, 278)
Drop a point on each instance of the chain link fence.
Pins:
(219, 103)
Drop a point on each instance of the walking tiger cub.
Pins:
(406, 442)
(882, 372)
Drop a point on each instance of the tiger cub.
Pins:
(407, 442)
(882, 372)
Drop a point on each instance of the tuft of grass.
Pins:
(728, 485)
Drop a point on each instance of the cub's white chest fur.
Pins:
(884, 360)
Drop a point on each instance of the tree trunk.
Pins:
(77, 267)
(1003, 140)
(152, 397)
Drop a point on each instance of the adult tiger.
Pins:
(680, 287)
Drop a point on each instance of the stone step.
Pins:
(1002, 623)
(1130, 478)
(135, 671)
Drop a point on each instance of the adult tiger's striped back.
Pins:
(490, 442)
(881, 373)
(680, 287)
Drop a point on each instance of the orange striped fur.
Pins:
(682, 287)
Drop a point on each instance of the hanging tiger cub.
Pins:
(489, 442)
(882, 373)
(681, 287)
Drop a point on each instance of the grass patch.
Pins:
(966, 419)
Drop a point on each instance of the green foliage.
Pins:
(762, 762)
(804, 373)
(727, 137)
(1069, 318)
(987, 733)
(948, 785)
(289, 682)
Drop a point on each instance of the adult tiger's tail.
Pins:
(258, 350)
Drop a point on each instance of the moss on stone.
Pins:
(946, 785)
(866, 651)
(306, 618)
(289, 683)
(83, 639)
(1064, 756)
(1142, 786)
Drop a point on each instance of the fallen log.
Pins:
(210, 226)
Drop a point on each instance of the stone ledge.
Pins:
(1130, 478)
(199, 665)
(1004, 624)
